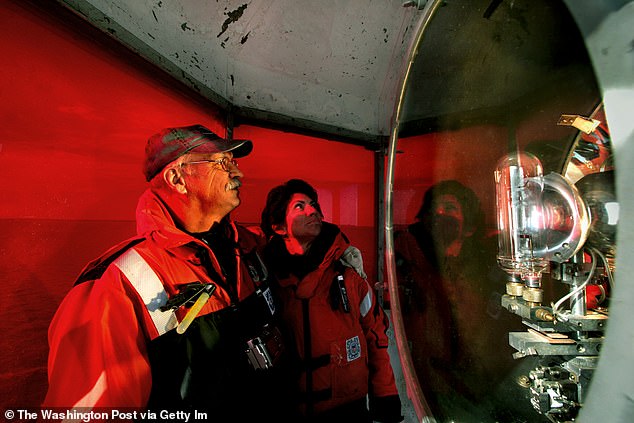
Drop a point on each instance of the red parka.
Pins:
(348, 357)
(102, 333)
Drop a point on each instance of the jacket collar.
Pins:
(306, 271)
(155, 222)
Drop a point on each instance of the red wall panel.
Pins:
(76, 111)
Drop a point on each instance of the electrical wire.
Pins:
(580, 287)
(608, 270)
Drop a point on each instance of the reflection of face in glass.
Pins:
(446, 221)
(303, 218)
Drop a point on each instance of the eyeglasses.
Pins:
(224, 163)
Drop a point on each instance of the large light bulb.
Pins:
(519, 215)
(540, 218)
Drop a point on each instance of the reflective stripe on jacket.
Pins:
(100, 335)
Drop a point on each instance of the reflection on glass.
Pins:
(491, 78)
(546, 220)
(451, 290)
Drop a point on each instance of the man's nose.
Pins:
(235, 172)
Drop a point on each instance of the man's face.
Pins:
(214, 186)
(303, 219)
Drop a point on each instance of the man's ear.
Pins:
(280, 229)
(174, 179)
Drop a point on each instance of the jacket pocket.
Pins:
(349, 367)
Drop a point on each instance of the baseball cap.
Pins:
(171, 143)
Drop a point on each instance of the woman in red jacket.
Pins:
(331, 312)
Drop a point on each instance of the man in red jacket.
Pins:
(180, 317)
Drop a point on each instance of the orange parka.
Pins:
(343, 347)
(114, 345)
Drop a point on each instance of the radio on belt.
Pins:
(265, 350)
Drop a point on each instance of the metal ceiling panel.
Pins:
(331, 66)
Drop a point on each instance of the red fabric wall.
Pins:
(76, 111)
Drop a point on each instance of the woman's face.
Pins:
(446, 221)
(448, 205)
(303, 218)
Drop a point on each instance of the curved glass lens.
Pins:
(487, 79)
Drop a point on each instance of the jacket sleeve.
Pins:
(375, 324)
(97, 354)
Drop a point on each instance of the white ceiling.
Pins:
(334, 67)
(331, 66)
